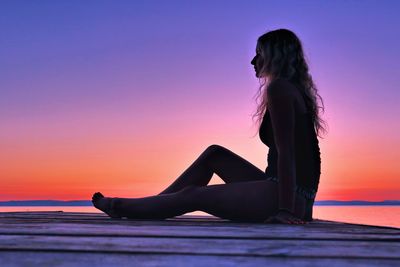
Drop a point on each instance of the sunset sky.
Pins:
(122, 96)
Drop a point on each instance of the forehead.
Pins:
(258, 47)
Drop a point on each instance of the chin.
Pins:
(260, 76)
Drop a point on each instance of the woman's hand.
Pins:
(284, 217)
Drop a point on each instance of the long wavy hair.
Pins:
(283, 57)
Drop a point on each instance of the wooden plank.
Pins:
(18, 217)
(196, 246)
(311, 226)
(183, 218)
(90, 215)
(26, 215)
(226, 232)
(317, 224)
(317, 230)
(27, 258)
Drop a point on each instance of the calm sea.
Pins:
(372, 215)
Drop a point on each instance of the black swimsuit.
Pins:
(307, 154)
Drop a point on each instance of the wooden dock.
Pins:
(93, 239)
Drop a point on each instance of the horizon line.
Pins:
(88, 203)
(90, 200)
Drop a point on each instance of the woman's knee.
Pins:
(214, 151)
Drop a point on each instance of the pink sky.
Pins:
(122, 98)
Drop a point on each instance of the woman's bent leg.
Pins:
(217, 159)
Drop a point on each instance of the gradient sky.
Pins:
(122, 96)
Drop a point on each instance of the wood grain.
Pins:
(45, 237)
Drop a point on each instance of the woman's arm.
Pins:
(281, 101)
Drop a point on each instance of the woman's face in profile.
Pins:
(257, 62)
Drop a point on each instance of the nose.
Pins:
(253, 61)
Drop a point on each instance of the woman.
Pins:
(289, 127)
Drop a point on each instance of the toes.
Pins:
(97, 195)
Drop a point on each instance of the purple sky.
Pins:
(72, 70)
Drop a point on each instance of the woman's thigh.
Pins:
(243, 201)
(231, 167)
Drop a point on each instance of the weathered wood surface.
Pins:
(93, 239)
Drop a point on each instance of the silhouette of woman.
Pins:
(289, 127)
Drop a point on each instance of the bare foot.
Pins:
(105, 204)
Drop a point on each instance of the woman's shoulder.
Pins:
(281, 87)
(281, 82)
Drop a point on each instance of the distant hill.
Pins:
(89, 203)
(46, 203)
(357, 203)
